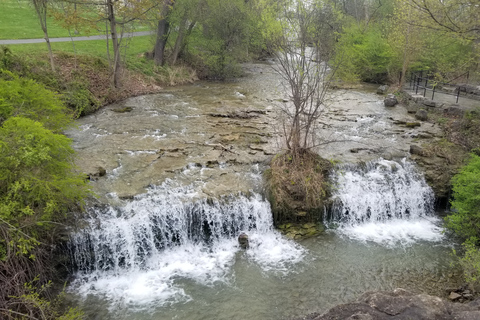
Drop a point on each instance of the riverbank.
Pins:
(84, 82)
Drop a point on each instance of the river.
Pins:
(183, 180)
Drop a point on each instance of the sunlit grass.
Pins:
(18, 20)
(132, 48)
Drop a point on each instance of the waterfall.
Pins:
(385, 202)
(136, 253)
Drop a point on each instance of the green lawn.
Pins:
(18, 20)
(131, 47)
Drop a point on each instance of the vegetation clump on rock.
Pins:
(298, 186)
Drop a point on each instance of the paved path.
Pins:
(447, 99)
(66, 39)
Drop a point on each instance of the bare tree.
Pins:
(304, 53)
(460, 17)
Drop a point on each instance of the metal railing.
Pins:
(425, 83)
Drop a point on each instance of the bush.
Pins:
(20, 97)
(465, 219)
(364, 53)
(38, 187)
(470, 263)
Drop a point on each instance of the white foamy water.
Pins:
(385, 202)
(140, 254)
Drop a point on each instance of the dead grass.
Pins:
(297, 186)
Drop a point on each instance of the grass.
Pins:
(132, 47)
(18, 20)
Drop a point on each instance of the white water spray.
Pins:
(384, 201)
(137, 254)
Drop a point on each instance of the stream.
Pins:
(184, 179)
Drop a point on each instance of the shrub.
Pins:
(297, 183)
(20, 97)
(38, 187)
(465, 219)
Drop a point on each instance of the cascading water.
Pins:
(384, 201)
(137, 253)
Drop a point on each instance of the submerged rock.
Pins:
(400, 305)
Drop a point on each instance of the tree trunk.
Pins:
(179, 40)
(41, 9)
(116, 49)
(162, 34)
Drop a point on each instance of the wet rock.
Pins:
(243, 241)
(400, 305)
(382, 89)
(412, 124)
(414, 149)
(123, 110)
(412, 107)
(429, 103)
(421, 115)
(390, 100)
(97, 173)
(301, 231)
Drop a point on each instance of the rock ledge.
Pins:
(400, 305)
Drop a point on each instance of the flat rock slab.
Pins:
(400, 304)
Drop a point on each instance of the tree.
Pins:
(163, 26)
(304, 52)
(41, 10)
(185, 15)
(460, 17)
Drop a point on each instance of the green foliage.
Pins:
(41, 308)
(465, 219)
(26, 98)
(38, 187)
(36, 177)
(470, 262)
(77, 97)
(365, 53)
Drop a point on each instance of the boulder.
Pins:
(421, 115)
(429, 103)
(243, 241)
(454, 296)
(382, 89)
(418, 98)
(390, 100)
(399, 304)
